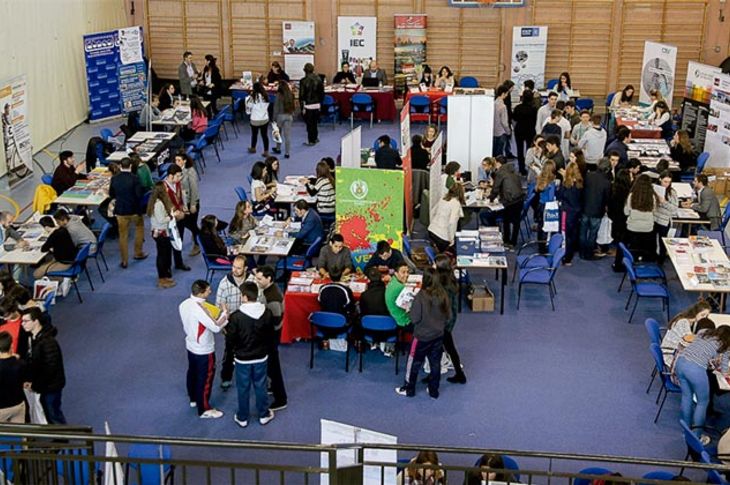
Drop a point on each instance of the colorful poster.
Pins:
(658, 71)
(18, 162)
(405, 154)
(297, 37)
(130, 45)
(529, 44)
(696, 103)
(369, 209)
(410, 45)
(357, 41)
(717, 140)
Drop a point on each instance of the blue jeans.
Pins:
(588, 233)
(693, 380)
(51, 404)
(501, 143)
(247, 374)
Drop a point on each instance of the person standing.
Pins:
(445, 271)
(191, 199)
(228, 296)
(257, 107)
(508, 187)
(595, 201)
(525, 116)
(445, 219)
(284, 116)
(161, 211)
(187, 73)
(592, 142)
(543, 114)
(570, 194)
(502, 129)
(200, 325)
(127, 192)
(392, 292)
(13, 373)
(665, 211)
(311, 95)
(639, 208)
(47, 376)
(212, 82)
(271, 296)
(173, 187)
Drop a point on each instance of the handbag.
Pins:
(175, 239)
(604, 231)
(275, 132)
(44, 287)
(35, 409)
(551, 217)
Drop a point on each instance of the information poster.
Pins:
(294, 65)
(405, 154)
(696, 103)
(297, 37)
(357, 41)
(529, 44)
(717, 140)
(130, 45)
(369, 209)
(658, 71)
(18, 162)
(410, 45)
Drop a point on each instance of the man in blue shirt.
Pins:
(311, 227)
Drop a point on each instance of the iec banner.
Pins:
(18, 162)
(658, 71)
(369, 209)
(410, 45)
(696, 103)
(357, 41)
(717, 140)
(529, 44)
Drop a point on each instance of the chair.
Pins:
(149, 473)
(541, 276)
(661, 369)
(431, 254)
(330, 110)
(230, 114)
(377, 329)
(420, 108)
(702, 159)
(75, 270)
(659, 475)
(644, 271)
(100, 249)
(300, 262)
(8, 448)
(47, 178)
(511, 464)
(590, 471)
(584, 103)
(695, 448)
(538, 260)
(644, 289)
(468, 82)
(48, 301)
(443, 111)
(718, 235)
(211, 266)
(196, 148)
(212, 135)
(713, 476)
(655, 337)
(220, 119)
(361, 103)
(100, 154)
(74, 470)
(241, 193)
(525, 216)
(551, 84)
(325, 325)
(393, 144)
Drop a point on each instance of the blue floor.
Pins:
(572, 380)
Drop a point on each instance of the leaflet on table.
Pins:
(683, 213)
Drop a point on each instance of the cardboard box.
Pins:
(718, 179)
(481, 298)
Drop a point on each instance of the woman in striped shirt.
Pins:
(709, 349)
(323, 189)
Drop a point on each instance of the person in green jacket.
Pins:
(394, 288)
(142, 170)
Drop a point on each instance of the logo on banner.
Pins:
(359, 189)
(100, 43)
(530, 32)
(357, 30)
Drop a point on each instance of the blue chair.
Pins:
(393, 144)
(8, 447)
(431, 254)
(240, 96)
(48, 301)
(75, 270)
(702, 159)
(377, 329)
(47, 178)
(300, 262)
(106, 134)
(552, 84)
(542, 276)
(212, 135)
(420, 108)
(661, 369)
(361, 103)
(326, 325)
(590, 471)
(149, 473)
(74, 470)
(162, 170)
(644, 271)
(100, 248)
(468, 82)
(713, 476)
(511, 464)
(695, 448)
(241, 193)
(525, 215)
(584, 103)
(659, 475)
(196, 148)
(230, 115)
(211, 262)
(538, 260)
(330, 110)
(644, 289)
(443, 111)
(220, 119)
(408, 245)
(655, 337)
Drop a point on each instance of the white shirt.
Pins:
(446, 218)
(199, 327)
(543, 114)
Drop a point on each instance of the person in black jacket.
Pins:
(508, 187)
(570, 194)
(386, 156)
(60, 246)
(270, 295)
(212, 85)
(372, 300)
(127, 193)
(619, 145)
(420, 157)
(620, 189)
(47, 376)
(595, 200)
(336, 297)
(13, 373)
(525, 116)
(384, 258)
(311, 95)
(248, 333)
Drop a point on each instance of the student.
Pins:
(161, 212)
(142, 171)
(429, 314)
(345, 75)
(392, 291)
(444, 78)
(212, 82)
(10, 322)
(525, 116)
(257, 106)
(570, 196)
(276, 74)
(385, 257)
(262, 197)
(564, 88)
(228, 296)
(67, 172)
(191, 199)
(620, 189)
(249, 334)
(640, 206)
(662, 118)
(682, 329)
(311, 96)
(420, 157)
(450, 175)
(173, 187)
(624, 98)
(596, 192)
(553, 152)
(199, 120)
(508, 188)
(491, 463)
(214, 246)
(581, 128)
(167, 96)
(386, 156)
(535, 158)
(150, 112)
(270, 295)
(545, 191)
(323, 190)
(60, 246)
(571, 115)
(445, 219)
(576, 156)
(335, 255)
(336, 297)
(427, 78)
(592, 142)
(79, 232)
(372, 300)
(665, 211)
(200, 326)
(502, 128)
(284, 116)
(271, 179)
(552, 125)
(707, 205)
(243, 221)
(413, 474)
(544, 112)
(429, 137)
(13, 373)
(681, 150)
(311, 229)
(620, 145)
(445, 271)
(127, 193)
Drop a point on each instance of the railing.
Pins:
(40, 455)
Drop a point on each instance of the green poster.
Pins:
(369, 209)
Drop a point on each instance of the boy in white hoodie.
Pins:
(249, 331)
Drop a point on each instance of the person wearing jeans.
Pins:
(596, 193)
(284, 116)
(161, 211)
(502, 128)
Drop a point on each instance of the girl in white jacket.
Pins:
(445, 220)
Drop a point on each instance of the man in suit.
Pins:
(127, 193)
(188, 74)
(386, 156)
(707, 204)
(311, 227)
(374, 72)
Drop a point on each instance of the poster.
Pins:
(297, 37)
(696, 103)
(717, 140)
(130, 45)
(18, 162)
(294, 65)
(435, 187)
(658, 71)
(410, 45)
(369, 209)
(357, 41)
(405, 154)
(350, 146)
(529, 44)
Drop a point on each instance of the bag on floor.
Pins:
(604, 231)
(44, 287)
(35, 409)
(175, 239)
(64, 287)
(551, 217)
(338, 344)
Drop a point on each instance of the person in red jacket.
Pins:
(173, 186)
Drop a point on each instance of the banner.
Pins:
(410, 45)
(717, 140)
(696, 103)
(298, 46)
(294, 65)
(435, 187)
(658, 71)
(529, 45)
(405, 155)
(357, 41)
(369, 209)
(350, 146)
(18, 161)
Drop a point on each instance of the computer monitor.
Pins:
(370, 82)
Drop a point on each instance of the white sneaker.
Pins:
(242, 424)
(267, 419)
(212, 414)
(193, 404)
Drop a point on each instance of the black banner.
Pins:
(694, 122)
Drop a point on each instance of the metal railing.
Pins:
(42, 455)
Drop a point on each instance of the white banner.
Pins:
(471, 126)
(405, 130)
(18, 162)
(297, 37)
(294, 65)
(130, 45)
(658, 71)
(357, 41)
(435, 188)
(529, 44)
(350, 146)
(717, 139)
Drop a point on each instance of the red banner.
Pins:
(405, 152)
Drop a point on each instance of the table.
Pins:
(292, 190)
(147, 144)
(177, 116)
(265, 245)
(91, 191)
(545, 92)
(650, 150)
(482, 249)
(701, 265)
(639, 129)
(477, 199)
(34, 234)
(384, 100)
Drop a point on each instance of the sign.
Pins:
(294, 65)
(357, 41)
(297, 37)
(350, 146)
(369, 209)
(529, 44)
(405, 154)
(658, 71)
(18, 162)
(435, 187)
(130, 45)
(717, 140)
(696, 103)
(410, 45)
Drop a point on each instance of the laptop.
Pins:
(370, 82)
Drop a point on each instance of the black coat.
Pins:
(372, 300)
(127, 193)
(525, 116)
(507, 186)
(46, 362)
(388, 158)
(311, 90)
(596, 194)
(249, 337)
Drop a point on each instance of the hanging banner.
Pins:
(529, 44)
(410, 45)
(717, 139)
(696, 103)
(18, 162)
(405, 154)
(297, 37)
(357, 41)
(369, 209)
(435, 192)
(658, 71)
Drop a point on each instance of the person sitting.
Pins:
(345, 76)
(385, 258)
(8, 232)
(167, 97)
(373, 71)
(620, 145)
(624, 98)
(427, 79)
(311, 229)
(681, 150)
(662, 118)
(79, 232)
(213, 245)
(393, 290)
(386, 156)
(707, 205)
(683, 327)
(243, 221)
(151, 112)
(199, 120)
(372, 300)
(445, 219)
(262, 197)
(335, 255)
(413, 474)
(67, 172)
(60, 246)
(276, 74)
(420, 158)
(491, 463)
(445, 78)
(337, 297)
(450, 175)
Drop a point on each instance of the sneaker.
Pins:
(251, 149)
(267, 419)
(225, 385)
(212, 414)
(193, 404)
(195, 250)
(278, 406)
(242, 424)
(402, 391)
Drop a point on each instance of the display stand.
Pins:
(470, 129)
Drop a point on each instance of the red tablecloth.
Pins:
(297, 307)
(384, 103)
(639, 131)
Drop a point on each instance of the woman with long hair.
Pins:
(545, 188)
(444, 78)
(427, 78)
(624, 98)
(199, 120)
(243, 221)
(445, 219)
(257, 107)
(577, 156)
(261, 196)
(639, 209)
(167, 96)
(276, 74)
(445, 269)
(272, 172)
(681, 150)
(214, 245)
(429, 137)
(666, 209)
(490, 462)
(212, 82)
(323, 189)
(534, 158)
(191, 198)
(662, 118)
(620, 188)
(284, 116)
(416, 474)
(570, 195)
(683, 327)
(161, 211)
(565, 88)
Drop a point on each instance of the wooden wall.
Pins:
(600, 42)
